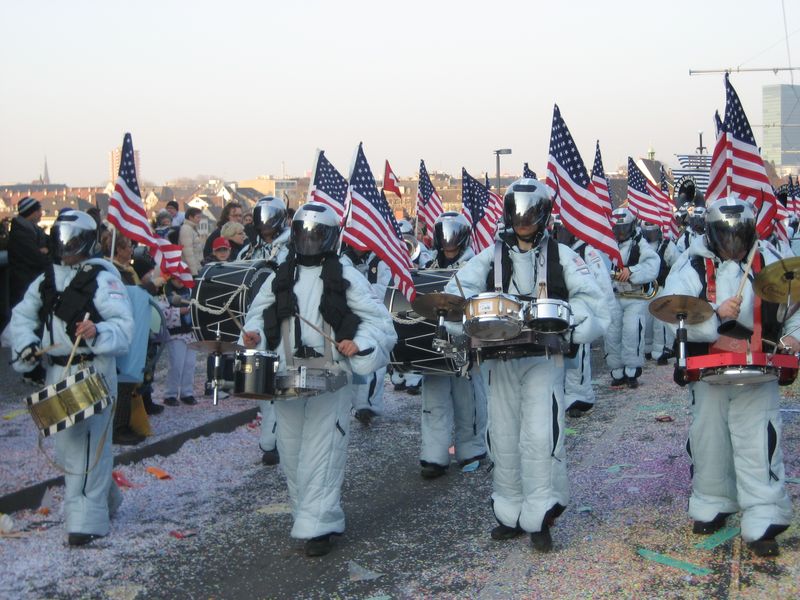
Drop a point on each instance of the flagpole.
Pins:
(113, 243)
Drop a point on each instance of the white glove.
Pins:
(28, 354)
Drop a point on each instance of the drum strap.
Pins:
(540, 291)
(323, 361)
(498, 266)
(499, 276)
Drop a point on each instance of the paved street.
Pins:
(410, 538)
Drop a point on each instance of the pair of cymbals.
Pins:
(779, 282)
(433, 305)
(670, 308)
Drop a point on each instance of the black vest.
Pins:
(633, 257)
(73, 303)
(556, 286)
(663, 268)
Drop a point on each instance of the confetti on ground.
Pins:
(359, 573)
(717, 539)
(122, 481)
(15, 413)
(279, 508)
(793, 480)
(673, 562)
(661, 407)
(570, 431)
(664, 419)
(6, 523)
(584, 509)
(617, 468)
(158, 473)
(471, 467)
(182, 534)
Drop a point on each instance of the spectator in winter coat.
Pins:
(190, 240)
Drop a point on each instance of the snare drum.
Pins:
(548, 315)
(735, 368)
(69, 401)
(254, 374)
(493, 316)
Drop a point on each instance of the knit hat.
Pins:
(220, 242)
(27, 206)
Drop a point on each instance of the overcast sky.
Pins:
(240, 89)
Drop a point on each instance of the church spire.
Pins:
(46, 175)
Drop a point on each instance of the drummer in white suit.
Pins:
(453, 406)
(328, 292)
(57, 301)
(735, 435)
(526, 393)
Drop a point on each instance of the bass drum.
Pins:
(222, 292)
(414, 351)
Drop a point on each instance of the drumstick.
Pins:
(747, 268)
(72, 354)
(234, 319)
(45, 350)
(458, 283)
(318, 330)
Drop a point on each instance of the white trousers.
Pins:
(180, 375)
(578, 378)
(624, 341)
(735, 446)
(369, 394)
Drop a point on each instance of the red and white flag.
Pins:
(126, 213)
(582, 212)
(599, 183)
(482, 208)
(328, 186)
(719, 176)
(370, 225)
(390, 181)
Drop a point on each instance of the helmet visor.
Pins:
(651, 233)
(731, 239)
(450, 234)
(312, 238)
(72, 239)
(530, 207)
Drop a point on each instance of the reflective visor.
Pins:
(529, 206)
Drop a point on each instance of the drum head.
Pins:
(737, 376)
(555, 325)
(493, 329)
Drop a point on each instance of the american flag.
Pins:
(599, 183)
(328, 186)
(126, 213)
(482, 209)
(640, 200)
(582, 212)
(429, 204)
(370, 225)
(672, 230)
(527, 173)
(748, 177)
(669, 227)
(390, 181)
(719, 175)
(793, 202)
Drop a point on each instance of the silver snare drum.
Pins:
(548, 315)
(493, 316)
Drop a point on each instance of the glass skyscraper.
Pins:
(781, 111)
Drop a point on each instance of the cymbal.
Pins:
(667, 309)
(431, 305)
(213, 346)
(775, 281)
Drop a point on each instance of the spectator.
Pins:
(247, 219)
(175, 212)
(28, 257)
(221, 250)
(190, 240)
(235, 234)
(163, 224)
(231, 212)
(180, 376)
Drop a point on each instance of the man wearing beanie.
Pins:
(27, 257)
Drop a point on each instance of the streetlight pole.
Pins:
(497, 154)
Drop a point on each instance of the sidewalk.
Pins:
(25, 473)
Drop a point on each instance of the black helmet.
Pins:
(73, 234)
(527, 202)
(651, 232)
(697, 219)
(623, 223)
(560, 232)
(269, 215)
(451, 232)
(315, 229)
(730, 228)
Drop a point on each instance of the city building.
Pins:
(781, 121)
(113, 164)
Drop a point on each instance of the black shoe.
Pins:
(469, 461)
(766, 545)
(431, 470)
(400, 387)
(501, 533)
(153, 408)
(541, 540)
(125, 436)
(633, 382)
(364, 415)
(662, 360)
(319, 546)
(171, 401)
(575, 413)
(270, 458)
(414, 390)
(579, 408)
(188, 400)
(81, 539)
(648, 356)
(618, 382)
(709, 527)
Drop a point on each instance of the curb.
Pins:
(30, 497)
